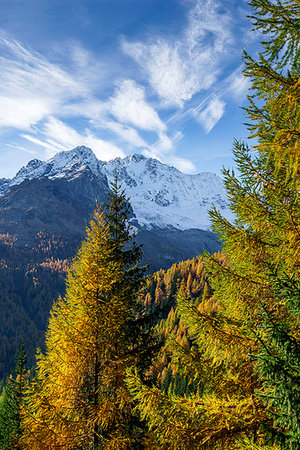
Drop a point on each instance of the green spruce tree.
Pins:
(11, 402)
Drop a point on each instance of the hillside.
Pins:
(186, 278)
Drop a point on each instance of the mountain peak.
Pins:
(83, 148)
(66, 164)
(82, 154)
(135, 157)
(81, 151)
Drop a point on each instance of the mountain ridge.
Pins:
(160, 195)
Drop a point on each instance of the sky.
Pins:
(157, 77)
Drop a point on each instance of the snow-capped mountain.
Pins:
(67, 164)
(160, 195)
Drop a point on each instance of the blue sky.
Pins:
(158, 77)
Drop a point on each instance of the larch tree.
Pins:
(248, 332)
(79, 398)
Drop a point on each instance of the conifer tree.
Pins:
(11, 402)
(79, 398)
(248, 332)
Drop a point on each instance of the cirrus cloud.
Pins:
(32, 88)
(57, 136)
(129, 105)
(212, 112)
(178, 69)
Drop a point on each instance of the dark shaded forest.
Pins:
(30, 279)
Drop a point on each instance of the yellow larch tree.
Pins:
(79, 398)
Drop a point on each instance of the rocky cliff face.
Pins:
(57, 206)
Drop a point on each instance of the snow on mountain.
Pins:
(67, 164)
(3, 182)
(160, 195)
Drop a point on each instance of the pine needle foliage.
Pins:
(11, 402)
(257, 285)
(79, 398)
(247, 333)
(279, 21)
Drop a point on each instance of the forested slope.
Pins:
(159, 296)
(30, 279)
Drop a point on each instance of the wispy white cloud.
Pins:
(212, 112)
(125, 111)
(237, 85)
(182, 164)
(90, 108)
(171, 77)
(57, 136)
(90, 70)
(51, 146)
(22, 112)
(211, 108)
(177, 70)
(19, 148)
(164, 150)
(129, 105)
(31, 87)
(164, 145)
(37, 95)
(126, 133)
